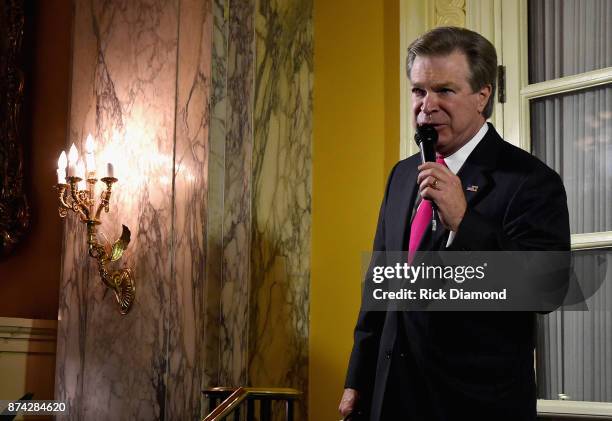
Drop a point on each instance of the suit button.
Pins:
(402, 355)
(388, 355)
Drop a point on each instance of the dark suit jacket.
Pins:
(462, 365)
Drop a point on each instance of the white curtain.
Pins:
(572, 133)
(567, 37)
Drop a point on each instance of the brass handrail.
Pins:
(240, 394)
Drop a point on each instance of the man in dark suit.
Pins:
(490, 196)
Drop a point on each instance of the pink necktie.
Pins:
(421, 221)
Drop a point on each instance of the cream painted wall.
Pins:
(355, 144)
(27, 358)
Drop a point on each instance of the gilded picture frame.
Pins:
(14, 209)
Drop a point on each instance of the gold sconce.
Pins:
(76, 192)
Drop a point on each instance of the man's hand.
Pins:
(348, 402)
(439, 184)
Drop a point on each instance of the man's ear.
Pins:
(483, 97)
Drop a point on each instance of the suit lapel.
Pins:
(404, 210)
(475, 172)
(476, 184)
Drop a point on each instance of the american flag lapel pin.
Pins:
(472, 188)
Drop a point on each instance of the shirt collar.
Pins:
(455, 161)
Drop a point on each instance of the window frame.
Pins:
(517, 107)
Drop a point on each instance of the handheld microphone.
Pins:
(426, 137)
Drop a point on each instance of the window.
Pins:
(565, 116)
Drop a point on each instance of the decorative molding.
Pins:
(416, 17)
(449, 13)
(14, 209)
(29, 336)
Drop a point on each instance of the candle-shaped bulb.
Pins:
(89, 157)
(80, 169)
(62, 161)
(89, 144)
(61, 168)
(110, 170)
(73, 154)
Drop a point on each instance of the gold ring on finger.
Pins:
(435, 184)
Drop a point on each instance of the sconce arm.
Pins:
(105, 196)
(120, 281)
(62, 195)
(78, 204)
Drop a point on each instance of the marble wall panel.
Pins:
(124, 79)
(234, 318)
(281, 196)
(186, 302)
(135, 90)
(75, 282)
(72, 317)
(216, 191)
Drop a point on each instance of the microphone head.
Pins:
(426, 133)
(426, 137)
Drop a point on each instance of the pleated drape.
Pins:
(572, 133)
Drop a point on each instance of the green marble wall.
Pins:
(281, 194)
(260, 178)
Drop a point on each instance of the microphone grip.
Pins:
(423, 157)
(426, 137)
(426, 157)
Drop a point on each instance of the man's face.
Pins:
(442, 97)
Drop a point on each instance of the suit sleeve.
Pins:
(362, 363)
(536, 219)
